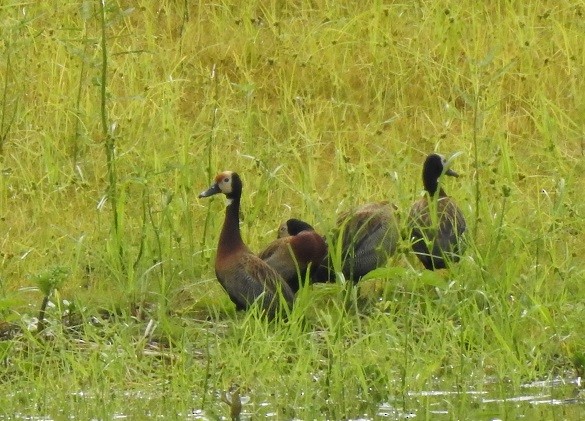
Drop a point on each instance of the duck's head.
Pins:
(438, 165)
(434, 167)
(293, 226)
(226, 182)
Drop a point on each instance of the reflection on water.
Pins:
(554, 399)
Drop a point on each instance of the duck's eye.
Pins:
(225, 180)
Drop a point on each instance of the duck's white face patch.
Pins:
(224, 181)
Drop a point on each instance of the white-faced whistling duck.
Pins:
(368, 235)
(293, 226)
(298, 249)
(435, 222)
(243, 275)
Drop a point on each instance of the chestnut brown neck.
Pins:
(230, 239)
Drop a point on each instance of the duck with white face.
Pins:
(245, 277)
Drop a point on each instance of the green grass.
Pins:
(319, 106)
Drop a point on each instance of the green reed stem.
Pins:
(110, 142)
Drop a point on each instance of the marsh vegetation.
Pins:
(115, 115)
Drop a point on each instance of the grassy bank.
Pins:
(114, 118)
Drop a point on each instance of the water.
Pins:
(541, 400)
(558, 399)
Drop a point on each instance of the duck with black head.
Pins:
(296, 253)
(293, 226)
(244, 276)
(435, 222)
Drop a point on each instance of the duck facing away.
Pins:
(293, 226)
(435, 222)
(243, 275)
(297, 251)
(368, 236)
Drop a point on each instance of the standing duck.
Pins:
(435, 222)
(366, 237)
(297, 249)
(243, 275)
